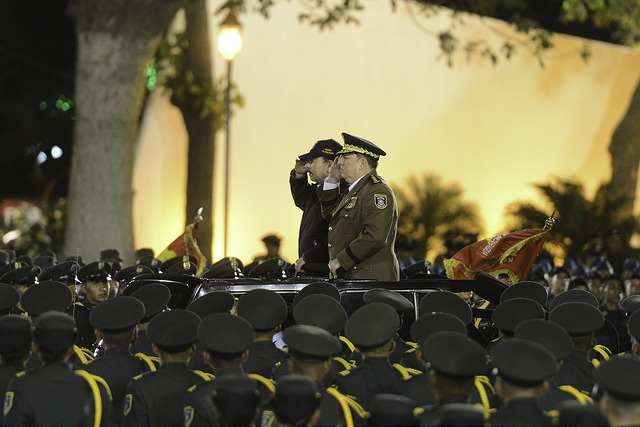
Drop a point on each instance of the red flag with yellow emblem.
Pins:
(511, 253)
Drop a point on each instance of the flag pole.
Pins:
(550, 222)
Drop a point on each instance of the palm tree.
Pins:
(430, 209)
(579, 221)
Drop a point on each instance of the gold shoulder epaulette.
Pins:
(375, 179)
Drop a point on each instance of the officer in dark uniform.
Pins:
(155, 398)
(371, 328)
(266, 311)
(455, 361)
(51, 296)
(580, 320)
(310, 351)
(9, 297)
(554, 338)
(523, 369)
(65, 272)
(15, 346)
(392, 410)
(400, 304)
(419, 386)
(619, 378)
(362, 223)
(296, 401)
(634, 330)
(53, 395)
(115, 322)
(226, 340)
(154, 297)
(312, 239)
(95, 289)
(21, 277)
(510, 313)
(213, 302)
(236, 401)
(127, 274)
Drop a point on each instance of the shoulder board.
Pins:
(137, 377)
(411, 350)
(344, 373)
(78, 303)
(190, 389)
(411, 344)
(20, 374)
(418, 411)
(580, 397)
(375, 179)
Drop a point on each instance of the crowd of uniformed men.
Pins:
(78, 349)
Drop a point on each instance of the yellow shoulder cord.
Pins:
(348, 419)
(602, 351)
(265, 381)
(146, 359)
(355, 406)
(348, 343)
(411, 344)
(477, 320)
(81, 355)
(486, 407)
(580, 397)
(97, 401)
(343, 362)
(206, 376)
(403, 371)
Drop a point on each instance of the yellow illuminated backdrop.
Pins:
(494, 129)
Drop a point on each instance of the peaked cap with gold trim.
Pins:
(354, 144)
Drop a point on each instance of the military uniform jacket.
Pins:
(53, 395)
(7, 372)
(374, 376)
(312, 238)
(143, 345)
(520, 413)
(117, 367)
(199, 408)
(362, 229)
(577, 371)
(155, 398)
(86, 335)
(263, 356)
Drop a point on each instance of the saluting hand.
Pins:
(334, 173)
(300, 168)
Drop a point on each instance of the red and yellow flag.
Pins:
(511, 253)
(185, 244)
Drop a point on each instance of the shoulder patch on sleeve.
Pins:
(380, 200)
(128, 400)
(188, 416)
(8, 402)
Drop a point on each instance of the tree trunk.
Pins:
(625, 156)
(116, 38)
(201, 131)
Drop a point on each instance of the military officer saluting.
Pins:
(362, 224)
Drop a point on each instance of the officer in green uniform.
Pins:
(115, 322)
(53, 395)
(225, 340)
(155, 398)
(363, 222)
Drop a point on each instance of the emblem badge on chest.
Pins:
(352, 203)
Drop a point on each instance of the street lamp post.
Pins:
(229, 46)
